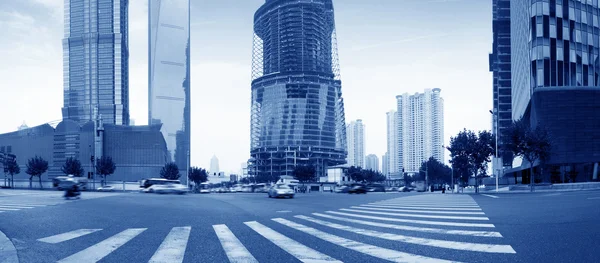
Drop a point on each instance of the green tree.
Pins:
(372, 176)
(438, 172)
(198, 175)
(305, 173)
(72, 166)
(356, 174)
(531, 144)
(170, 171)
(36, 166)
(245, 180)
(12, 168)
(104, 167)
(470, 152)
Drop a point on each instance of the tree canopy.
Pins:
(72, 166)
(437, 171)
(470, 152)
(170, 171)
(198, 175)
(358, 174)
(105, 166)
(36, 166)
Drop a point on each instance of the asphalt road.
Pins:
(243, 227)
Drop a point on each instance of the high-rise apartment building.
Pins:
(499, 61)
(297, 110)
(420, 129)
(169, 75)
(96, 61)
(392, 144)
(372, 162)
(555, 74)
(356, 143)
(385, 165)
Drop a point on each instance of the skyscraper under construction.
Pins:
(297, 112)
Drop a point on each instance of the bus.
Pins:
(204, 188)
(420, 186)
(147, 183)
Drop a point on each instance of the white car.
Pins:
(169, 188)
(106, 188)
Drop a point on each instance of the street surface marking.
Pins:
(284, 211)
(477, 247)
(591, 198)
(301, 252)
(554, 194)
(412, 215)
(234, 249)
(429, 205)
(418, 229)
(423, 222)
(96, 252)
(425, 208)
(67, 236)
(173, 247)
(14, 206)
(9, 209)
(378, 252)
(492, 196)
(420, 211)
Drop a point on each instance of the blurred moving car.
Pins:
(405, 189)
(281, 190)
(375, 188)
(106, 188)
(357, 189)
(169, 188)
(342, 189)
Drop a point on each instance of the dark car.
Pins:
(376, 188)
(357, 189)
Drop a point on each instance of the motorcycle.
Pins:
(72, 193)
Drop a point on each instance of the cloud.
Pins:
(382, 44)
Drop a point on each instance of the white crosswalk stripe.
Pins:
(234, 249)
(96, 252)
(301, 252)
(419, 226)
(67, 236)
(425, 207)
(173, 247)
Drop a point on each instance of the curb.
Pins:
(8, 252)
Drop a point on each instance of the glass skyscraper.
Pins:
(555, 75)
(96, 61)
(169, 75)
(297, 110)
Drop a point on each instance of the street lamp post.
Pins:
(496, 117)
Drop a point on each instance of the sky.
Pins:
(386, 48)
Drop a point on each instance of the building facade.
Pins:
(385, 165)
(96, 61)
(214, 165)
(372, 162)
(500, 66)
(169, 76)
(393, 164)
(555, 67)
(297, 110)
(420, 129)
(356, 143)
(138, 151)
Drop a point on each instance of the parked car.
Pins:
(281, 190)
(357, 189)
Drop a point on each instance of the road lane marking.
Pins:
(15, 207)
(554, 194)
(301, 252)
(492, 196)
(18, 204)
(420, 211)
(234, 249)
(591, 198)
(418, 229)
(9, 209)
(425, 208)
(430, 205)
(423, 222)
(413, 215)
(67, 236)
(477, 247)
(96, 252)
(378, 252)
(173, 247)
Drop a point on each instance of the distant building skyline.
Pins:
(420, 128)
(356, 143)
(169, 78)
(96, 61)
(385, 164)
(372, 162)
(214, 165)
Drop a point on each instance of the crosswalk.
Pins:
(422, 228)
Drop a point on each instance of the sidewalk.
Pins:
(8, 252)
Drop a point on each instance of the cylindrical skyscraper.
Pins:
(297, 107)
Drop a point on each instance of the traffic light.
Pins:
(92, 159)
